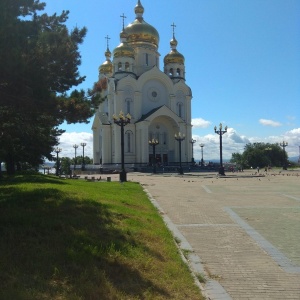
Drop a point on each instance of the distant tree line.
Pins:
(65, 163)
(261, 155)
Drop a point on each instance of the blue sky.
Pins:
(242, 61)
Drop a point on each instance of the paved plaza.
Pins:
(242, 230)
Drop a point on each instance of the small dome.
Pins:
(140, 31)
(106, 67)
(123, 50)
(174, 56)
(139, 9)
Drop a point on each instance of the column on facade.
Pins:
(142, 148)
(110, 105)
(119, 103)
(137, 104)
(106, 145)
(145, 142)
(172, 103)
(188, 109)
(96, 146)
(117, 143)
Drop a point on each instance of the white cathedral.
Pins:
(159, 102)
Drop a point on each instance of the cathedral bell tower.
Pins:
(174, 61)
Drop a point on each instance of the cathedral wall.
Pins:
(154, 94)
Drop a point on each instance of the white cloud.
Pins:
(200, 123)
(272, 123)
(295, 132)
(68, 139)
(232, 134)
(233, 142)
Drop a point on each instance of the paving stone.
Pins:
(244, 230)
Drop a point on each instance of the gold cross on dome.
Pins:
(107, 39)
(173, 25)
(124, 17)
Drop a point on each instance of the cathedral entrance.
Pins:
(159, 159)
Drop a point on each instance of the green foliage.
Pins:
(39, 64)
(260, 155)
(65, 163)
(79, 160)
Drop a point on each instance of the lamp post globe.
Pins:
(220, 132)
(179, 138)
(122, 121)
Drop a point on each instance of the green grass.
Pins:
(71, 239)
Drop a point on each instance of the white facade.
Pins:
(159, 102)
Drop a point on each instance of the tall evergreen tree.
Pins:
(39, 60)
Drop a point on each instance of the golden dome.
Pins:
(123, 50)
(107, 66)
(140, 31)
(174, 56)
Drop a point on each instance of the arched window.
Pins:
(178, 72)
(171, 72)
(129, 141)
(147, 59)
(127, 66)
(119, 66)
(129, 106)
(180, 109)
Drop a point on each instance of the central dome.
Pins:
(140, 31)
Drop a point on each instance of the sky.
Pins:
(242, 61)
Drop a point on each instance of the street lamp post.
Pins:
(283, 145)
(75, 147)
(179, 138)
(122, 121)
(192, 141)
(83, 164)
(153, 143)
(220, 132)
(202, 161)
(57, 150)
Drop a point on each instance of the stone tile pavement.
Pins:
(243, 231)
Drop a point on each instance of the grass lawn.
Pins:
(71, 239)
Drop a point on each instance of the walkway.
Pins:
(243, 231)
